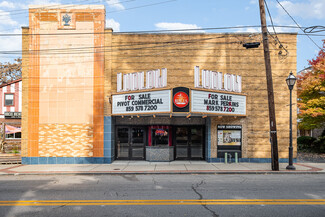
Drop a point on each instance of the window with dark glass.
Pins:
(9, 99)
(137, 135)
(160, 137)
(13, 135)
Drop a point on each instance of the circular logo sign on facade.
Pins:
(181, 99)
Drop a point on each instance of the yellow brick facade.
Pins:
(66, 140)
(180, 53)
(80, 131)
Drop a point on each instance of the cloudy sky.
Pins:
(146, 15)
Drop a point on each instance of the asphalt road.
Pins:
(163, 195)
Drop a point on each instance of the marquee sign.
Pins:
(213, 80)
(217, 103)
(144, 102)
(135, 81)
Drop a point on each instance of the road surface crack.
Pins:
(57, 207)
(154, 181)
(194, 188)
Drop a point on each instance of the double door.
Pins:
(189, 142)
(130, 143)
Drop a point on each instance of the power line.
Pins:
(158, 3)
(49, 6)
(177, 42)
(276, 39)
(149, 49)
(314, 29)
(114, 11)
(122, 9)
(148, 31)
(299, 25)
(149, 52)
(68, 5)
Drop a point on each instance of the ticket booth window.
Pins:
(160, 137)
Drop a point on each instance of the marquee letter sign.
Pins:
(144, 102)
(218, 103)
(213, 80)
(135, 81)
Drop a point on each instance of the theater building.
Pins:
(91, 95)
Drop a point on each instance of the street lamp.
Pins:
(291, 80)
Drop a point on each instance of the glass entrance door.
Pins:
(181, 143)
(130, 143)
(137, 145)
(122, 140)
(197, 143)
(189, 143)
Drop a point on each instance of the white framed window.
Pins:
(13, 135)
(9, 99)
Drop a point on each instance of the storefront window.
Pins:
(160, 137)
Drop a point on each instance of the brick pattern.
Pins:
(98, 85)
(57, 138)
(180, 53)
(33, 85)
(66, 140)
(25, 82)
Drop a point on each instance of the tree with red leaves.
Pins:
(311, 93)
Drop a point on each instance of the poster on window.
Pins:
(229, 135)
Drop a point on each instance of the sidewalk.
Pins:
(145, 167)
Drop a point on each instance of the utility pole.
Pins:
(267, 59)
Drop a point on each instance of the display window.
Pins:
(159, 136)
(229, 140)
(229, 137)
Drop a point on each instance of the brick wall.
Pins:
(180, 53)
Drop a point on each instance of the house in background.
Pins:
(10, 111)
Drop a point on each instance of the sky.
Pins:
(152, 15)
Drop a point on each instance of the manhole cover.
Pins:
(116, 169)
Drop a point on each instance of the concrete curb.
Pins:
(169, 173)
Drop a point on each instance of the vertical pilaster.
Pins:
(208, 139)
(109, 139)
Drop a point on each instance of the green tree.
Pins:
(311, 93)
(10, 71)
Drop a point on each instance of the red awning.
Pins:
(12, 129)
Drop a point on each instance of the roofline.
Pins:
(195, 33)
(11, 82)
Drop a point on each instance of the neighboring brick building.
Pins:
(10, 113)
(78, 107)
(10, 99)
(11, 105)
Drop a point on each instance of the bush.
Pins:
(319, 145)
(323, 133)
(305, 143)
(311, 144)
